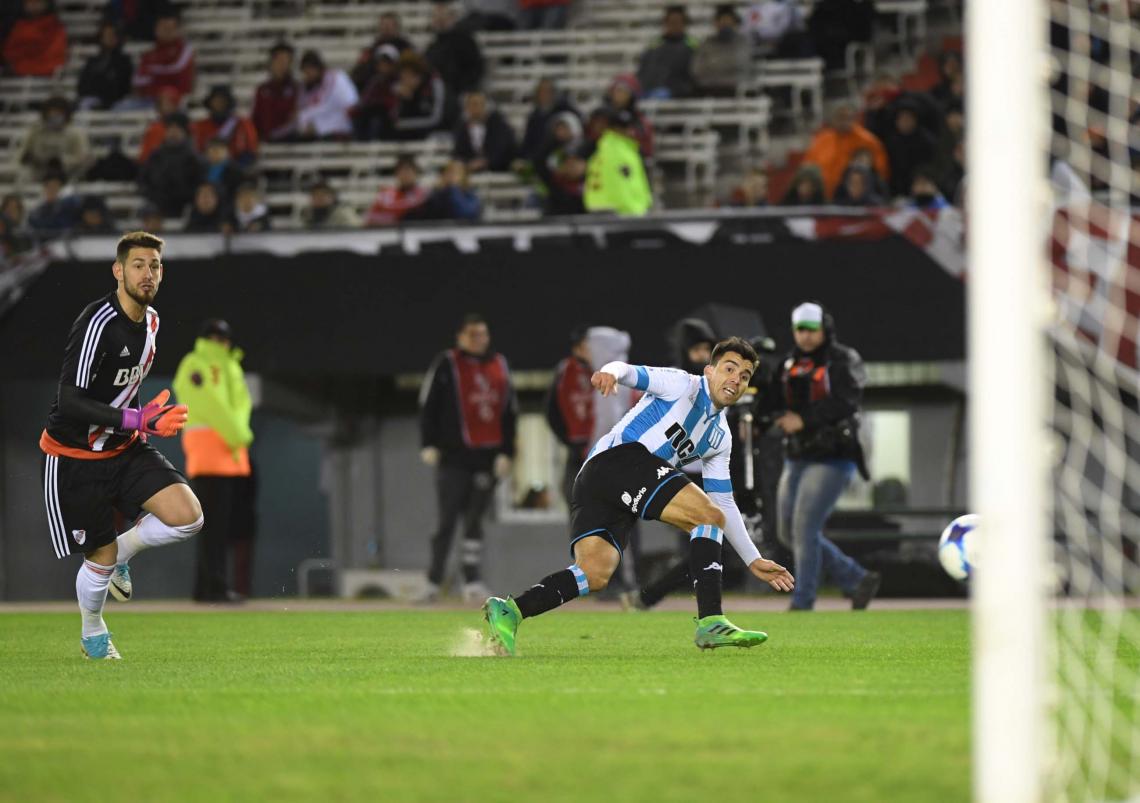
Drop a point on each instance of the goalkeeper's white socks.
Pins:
(152, 532)
(91, 591)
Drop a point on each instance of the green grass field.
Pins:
(248, 706)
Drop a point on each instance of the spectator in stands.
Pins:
(394, 202)
(221, 169)
(865, 158)
(208, 213)
(779, 26)
(953, 129)
(596, 125)
(723, 62)
(834, 24)
(376, 110)
(453, 53)
(615, 174)
(806, 188)
(548, 102)
(452, 199)
(106, 76)
(951, 176)
(484, 140)
(488, 15)
(561, 166)
(949, 89)
(172, 173)
(387, 34)
(169, 102)
(325, 211)
(53, 143)
(170, 63)
(151, 219)
(58, 210)
(94, 217)
(833, 145)
(858, 189)
(250, 213)
(36, 43)
(924, 192)
(622, 95)
(224, 123)
(12, 208)
(751, 192)
(878, 102)
(665, 69)
(327, 97)
(423, 103)
(908, 146)
(544, 15)
(275, 102)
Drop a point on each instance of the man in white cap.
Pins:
(816, 396)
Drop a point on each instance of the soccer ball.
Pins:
(957, 547)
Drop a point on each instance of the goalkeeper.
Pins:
(96, 458)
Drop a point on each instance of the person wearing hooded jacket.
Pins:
(560, 167)
(216, 444)
(615, 174)
(814, 398)
(224, 123)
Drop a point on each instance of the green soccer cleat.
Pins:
(502, 619)
(717, 631)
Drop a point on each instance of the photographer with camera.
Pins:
(814, 400)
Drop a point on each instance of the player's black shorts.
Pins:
(81, 495)
(618, 486)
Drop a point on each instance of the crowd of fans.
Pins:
(205, 171)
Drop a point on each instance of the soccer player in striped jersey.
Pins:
(633, 471)
(96, 458)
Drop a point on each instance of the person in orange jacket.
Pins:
(833, 146)
(37, 42)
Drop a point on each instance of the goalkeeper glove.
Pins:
(157, 417)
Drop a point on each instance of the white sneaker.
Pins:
(475, 592)
(120, 586)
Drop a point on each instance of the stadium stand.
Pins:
(699, 141)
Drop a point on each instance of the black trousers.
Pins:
(463, 493)
(218, 496)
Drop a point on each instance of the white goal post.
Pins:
(1007, 206)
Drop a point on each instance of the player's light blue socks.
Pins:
(553, 590)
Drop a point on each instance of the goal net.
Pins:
(1094, 252)
(1056, 459)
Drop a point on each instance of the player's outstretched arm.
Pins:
(665, 383)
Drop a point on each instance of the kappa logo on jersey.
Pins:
(79, 535)
(632, 501)
(716, 567)
(661, 472)
(127, 376)
(126, 352)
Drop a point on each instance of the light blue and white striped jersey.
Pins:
(677, 421)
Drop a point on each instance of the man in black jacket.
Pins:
(453, 53)
(815, 397)
(106, 76)
(484, 139)
(468, 415)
